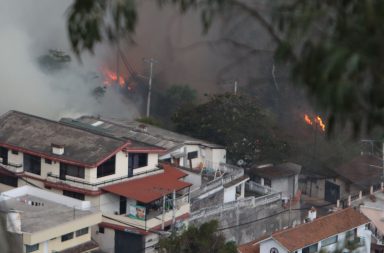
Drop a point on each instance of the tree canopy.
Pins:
(203, 239)
(334, 47)
(236, 122)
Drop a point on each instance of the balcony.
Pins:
(84, 184)
(151, 215)
(12, 167)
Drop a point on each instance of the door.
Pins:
(126, 242)
(4, 155)
(62, 171)
(123, 205)
(331, 192)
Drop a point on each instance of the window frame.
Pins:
(82, 232)
(34, 164)
(329, 241)
(107, 168)
(73, 170)
(75, 195)
(32, 248)
(138, 160)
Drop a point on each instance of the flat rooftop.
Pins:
(145, 133)
(276, 171)
(35, 135)
(42, 214)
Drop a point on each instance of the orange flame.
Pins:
(320, 122)
(110, 78)
(307, 119)
(316, 120)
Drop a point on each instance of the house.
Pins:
(282, 178)
(43, 221)
(192, 154)
(346, 228)
(139, 198)
(356, 175)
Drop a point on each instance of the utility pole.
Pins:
(173, 211)
(235, 87)
(163, 215)
(151, 61)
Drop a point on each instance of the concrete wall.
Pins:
(229, 194)
(256, 221)
(105, 240)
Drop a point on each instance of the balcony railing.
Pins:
(94, 186)
(12, 167)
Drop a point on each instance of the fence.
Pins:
(346, 200)
(249, 202)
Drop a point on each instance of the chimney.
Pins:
(312, 214)
(14, 222)
(57, 149)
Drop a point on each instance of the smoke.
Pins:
(28, 30)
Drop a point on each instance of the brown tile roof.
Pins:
(320, 229)
(250, 247)
(150, 188)
(363, 170)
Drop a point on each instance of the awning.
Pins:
(150, 188)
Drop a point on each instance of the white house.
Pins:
(344, 230)
(119, 176)
(46, 222)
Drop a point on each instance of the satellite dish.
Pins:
(240, 162)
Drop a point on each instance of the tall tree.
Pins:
(238, 123)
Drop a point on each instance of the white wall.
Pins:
(267, 245)
(106, 240)
(121, 170)
(229, 194)
(109, 203)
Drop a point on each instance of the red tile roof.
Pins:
(150, 188)
(320, 229)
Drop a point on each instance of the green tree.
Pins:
(203, 239)
(236, 122)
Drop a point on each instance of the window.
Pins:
(74, 195)
(48, 161)
(267, 182)
(32, 164)
(71, 170)
(192, 155)
(107, 168)
(67, 237)
(31, 248)
(8, 180)
(310, 249)
(137, 160)
(329, 241)
(15, 152)
(81, 232)
(101, 230)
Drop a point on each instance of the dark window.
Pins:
(74, 195)
(31, 248)
(4, 155)
(137, 160)
(48, 161)
(71, 170)
(310, 249)
(7, 180)
(81, 232)
(107, 168)
(32, 164)
(101, 230)
(67, 237)
(15, 152)
(267, 182)
(192, 155)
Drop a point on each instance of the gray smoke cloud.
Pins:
(28, 30)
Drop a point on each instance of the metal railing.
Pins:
(84, 184)
(258, 188)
